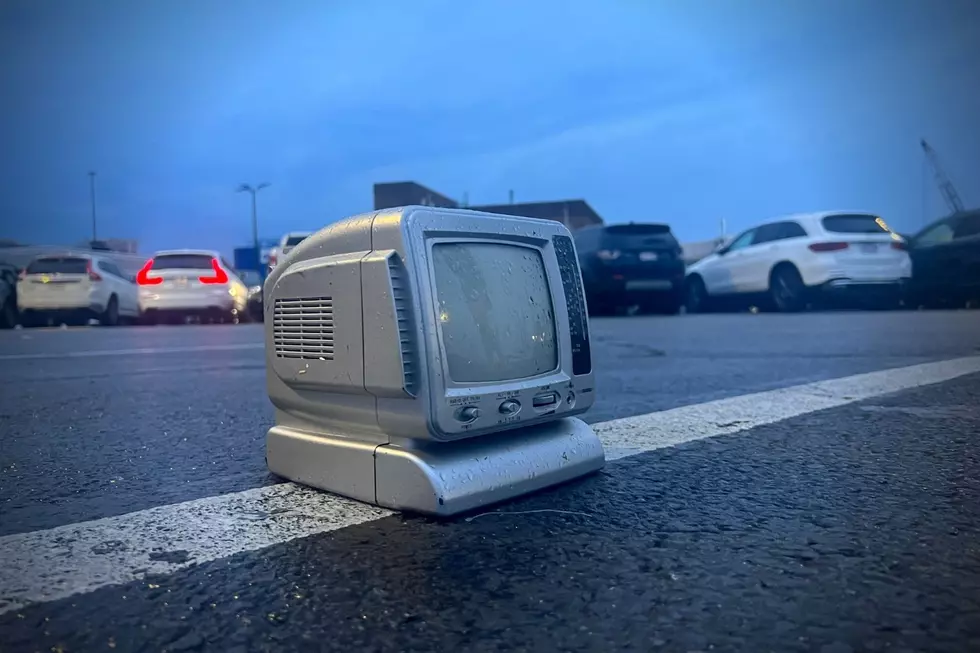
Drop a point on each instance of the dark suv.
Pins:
(631, 264)
(8, 296)
(946, 262)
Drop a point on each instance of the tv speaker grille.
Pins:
(303, 328)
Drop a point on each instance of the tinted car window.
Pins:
(182, 262)
(937, 235)
(638, 236)
(293, 241)
(791, 230)
(742, 241)
(766, 234)
(58, 265)
(968, 226)
(857, 223)
(778, 231)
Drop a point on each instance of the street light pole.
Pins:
(254, 191)
(91, 189)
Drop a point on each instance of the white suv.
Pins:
(790, 259)
(179, 284)
(74, 287)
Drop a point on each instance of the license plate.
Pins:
(869, 248)
(181, 282)
(648, 284)
(648, 256)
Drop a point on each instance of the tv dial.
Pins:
(467, 413)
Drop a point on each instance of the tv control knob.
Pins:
(468, 413)
(510, 407)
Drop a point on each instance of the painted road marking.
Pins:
(131, 352)
(78, 558)
(634, 435)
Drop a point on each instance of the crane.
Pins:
(945, 185)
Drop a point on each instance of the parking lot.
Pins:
(776, 482)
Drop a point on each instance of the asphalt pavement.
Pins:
(784, 482)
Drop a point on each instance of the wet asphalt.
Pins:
(856, 528)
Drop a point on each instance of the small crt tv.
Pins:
(430, 359)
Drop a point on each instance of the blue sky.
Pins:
(684, 111)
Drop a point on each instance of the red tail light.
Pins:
(220, 276)
(827, 247)
(899, 245)
(143, 277)
(92, 274)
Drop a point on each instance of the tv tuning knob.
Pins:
(468, 413)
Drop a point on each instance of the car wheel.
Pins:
(8, 316)
(110, 317)
(787, 290)
(696, 296)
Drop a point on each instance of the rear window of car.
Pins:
(58, 265)
(631, 236)
(857, 223)
(293, 241)
(182, 262)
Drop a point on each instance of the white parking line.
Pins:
(130, 352)
(78, 558)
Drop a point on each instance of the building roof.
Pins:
(406, 193)
(575, 214)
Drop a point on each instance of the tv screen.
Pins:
(487, 335)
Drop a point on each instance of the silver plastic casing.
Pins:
(356, 360)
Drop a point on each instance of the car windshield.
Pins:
(182, 262)
(293, 241)
(58, 265)
(857, 223)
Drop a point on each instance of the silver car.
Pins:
(176, 285)
(286, 245)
